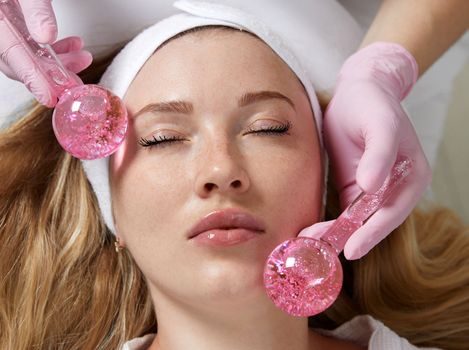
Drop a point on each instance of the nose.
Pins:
(221, 171)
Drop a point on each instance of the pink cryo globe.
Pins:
(89, 121)
(303, 276)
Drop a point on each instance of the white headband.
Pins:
(133, 56)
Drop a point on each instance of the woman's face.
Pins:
(159, 193)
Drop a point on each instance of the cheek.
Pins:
(145, 195)
(292, 176)
(301, 186)
(143, 189)
(290, 181)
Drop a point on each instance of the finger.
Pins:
(71, 43)
(7, 71)
(76, 61)
(317, 230)
(391, 215)
(22, 67)
(379, 156)
(40, 20)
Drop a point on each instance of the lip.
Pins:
(225, 238)
(226, 227)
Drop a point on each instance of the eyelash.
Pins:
(164, 140)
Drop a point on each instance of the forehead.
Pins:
(230, 62)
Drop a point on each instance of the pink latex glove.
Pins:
(16, 64)
(365, 129)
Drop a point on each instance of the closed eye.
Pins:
(162, 140)
(277, 129)
(165, 140)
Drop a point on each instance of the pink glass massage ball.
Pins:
(89, 121)
(303, 276)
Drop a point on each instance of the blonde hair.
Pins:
(64, 287)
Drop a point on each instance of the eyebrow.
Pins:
(185, 107)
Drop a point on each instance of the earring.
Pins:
(117, 245)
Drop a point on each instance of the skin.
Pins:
(426, 28)
(214, 298)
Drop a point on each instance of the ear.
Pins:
(120, 241)
(119, 238)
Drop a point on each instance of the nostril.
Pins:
(209, 186)
(236, 184)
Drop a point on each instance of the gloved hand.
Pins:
(42, 25)
(365, 129)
